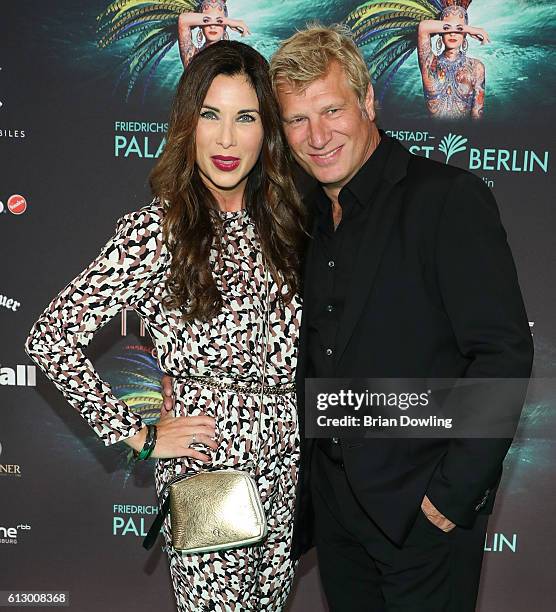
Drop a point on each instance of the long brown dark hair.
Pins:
(190, 224)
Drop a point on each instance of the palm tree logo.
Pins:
(452, 144)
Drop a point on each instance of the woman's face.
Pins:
(213, 32)
(229, 134)
(452, 40)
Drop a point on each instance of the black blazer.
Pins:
(437, 297)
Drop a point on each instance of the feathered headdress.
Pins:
(153, 23)
(391, 26)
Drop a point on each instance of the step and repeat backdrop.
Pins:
(85, 90)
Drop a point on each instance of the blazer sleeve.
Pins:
(119, 277)
(481, 295)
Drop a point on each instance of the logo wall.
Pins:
(9, 469)
(455, 148)
(16, 204)
(21, 376)
(11, 534)
(9, 303)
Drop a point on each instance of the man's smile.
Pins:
(326, 158)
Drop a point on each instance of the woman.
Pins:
(192, 264)
(211, 21)
(453, 82)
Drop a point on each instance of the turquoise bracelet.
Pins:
(150, 443)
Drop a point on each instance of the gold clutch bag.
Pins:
(215, 510)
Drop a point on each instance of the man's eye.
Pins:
(208, 115)
(331, 111)
(296, 120)
(246, 118)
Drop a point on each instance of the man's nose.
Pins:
(319, 134)
(226, 135)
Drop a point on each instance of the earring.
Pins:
(226, 35)
(465, 46)
(439, 45)
(200, 37)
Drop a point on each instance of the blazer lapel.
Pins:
(379, 225)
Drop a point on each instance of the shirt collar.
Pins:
(362, 186)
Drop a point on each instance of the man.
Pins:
(407, 274)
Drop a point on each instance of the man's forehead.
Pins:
(321, 92)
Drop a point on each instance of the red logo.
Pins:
(17, 204)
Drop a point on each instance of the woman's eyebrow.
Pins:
(239, 112)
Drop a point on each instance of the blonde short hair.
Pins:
(306, 56)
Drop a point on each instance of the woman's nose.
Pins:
(226, 134)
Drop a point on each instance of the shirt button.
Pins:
(329, 351)
(330, 308)
(336, 440)
(331, 263)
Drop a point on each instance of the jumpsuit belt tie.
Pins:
(238, 386)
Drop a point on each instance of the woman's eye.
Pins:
(208, 115)
(246, 118)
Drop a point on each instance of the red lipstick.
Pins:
(225, 162)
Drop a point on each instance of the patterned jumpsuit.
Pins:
(130, 271)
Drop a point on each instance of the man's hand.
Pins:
(435, 517)
(168, 399)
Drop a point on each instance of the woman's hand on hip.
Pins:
(176, 435)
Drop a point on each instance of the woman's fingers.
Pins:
(199, 420)
(203, 438)
(165, 415)
(190, 452)
(177, 434)
(167, 393)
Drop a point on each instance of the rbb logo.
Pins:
(9, 535)
(17, 204)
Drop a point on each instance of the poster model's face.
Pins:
(213, 32)
(229, 134)
(328, 132)
(453, 40)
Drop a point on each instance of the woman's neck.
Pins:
(452, 54)
(229, 203)
(229, 200)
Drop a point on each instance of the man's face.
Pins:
(328, 132)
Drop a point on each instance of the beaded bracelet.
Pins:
(150, 443)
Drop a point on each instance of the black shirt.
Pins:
(334, 253)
